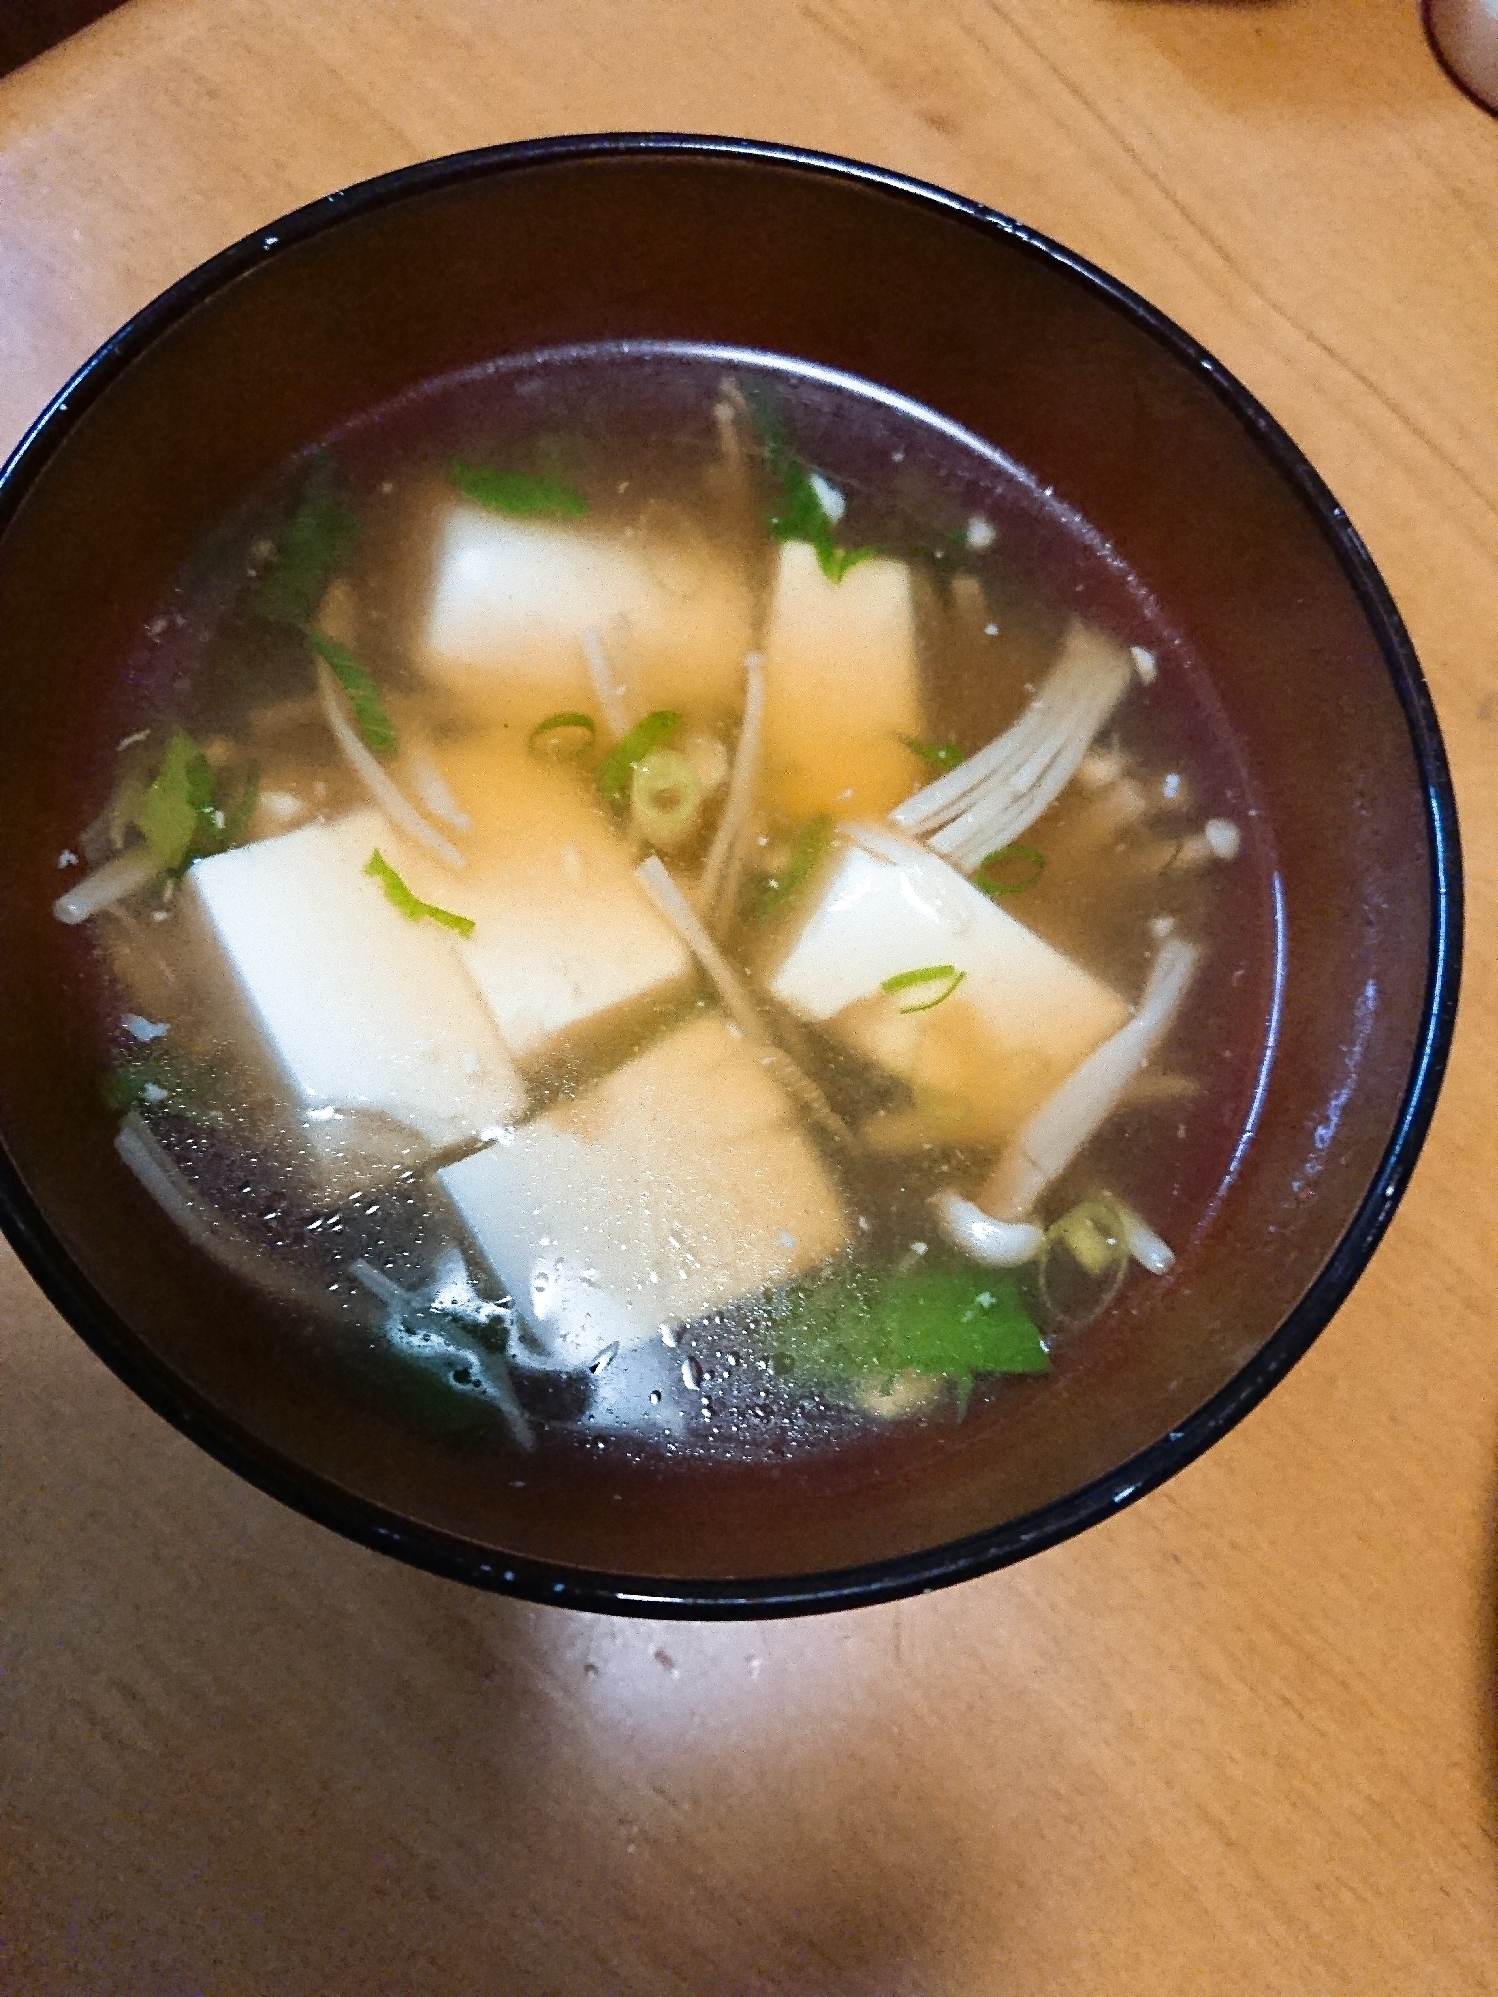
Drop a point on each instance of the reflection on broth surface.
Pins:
(670, 899)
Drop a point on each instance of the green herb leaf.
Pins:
(616, 770)
(317, 542)
(942, 1322)
(177, 808)
(836, 562)
(773, 892)
(800, 514)
(940, 755)
(1009, 870)
(929, 974)
(556, 728)
(179, 815)
(369, 710)
(401, 897)
(516, 494)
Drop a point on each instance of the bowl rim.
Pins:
(362, 1520)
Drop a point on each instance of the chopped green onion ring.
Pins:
(401, 897)
(928, 974)
(665, 799)
(616, 771)
(544, 733)
(1018, 868)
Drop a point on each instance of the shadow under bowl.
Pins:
(443, 266)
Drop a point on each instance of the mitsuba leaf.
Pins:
(943, 1322)
(319, 538)
(520, 495)
(374, 724)
(179, 814)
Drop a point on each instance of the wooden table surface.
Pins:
(1239, 1739)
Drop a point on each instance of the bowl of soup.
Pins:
(725, 893)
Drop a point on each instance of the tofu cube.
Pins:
(567, 949)
(510, 600)
(841, 689)
(981, 1060)
(365, 1018)
(678, 1184)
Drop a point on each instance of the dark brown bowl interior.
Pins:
(446, 267)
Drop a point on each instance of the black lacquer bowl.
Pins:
(442, 266)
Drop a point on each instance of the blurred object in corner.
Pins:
(29, 26)
(1465, 34)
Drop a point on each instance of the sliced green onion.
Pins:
(369, 710)
(553, 733)
(516, 494)
(940, 755)
(665, 798)
(775, 890)
(401, 897)
(929, 974)
(616, 770)
(1009, 870)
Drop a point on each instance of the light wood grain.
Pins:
(1237, 1740)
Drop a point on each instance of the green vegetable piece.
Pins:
(554, 731)
(775, 890)
(665, 799)
(929, 974)
(940, 755)
(373, 722)
(947, 1323)
(178, 814)
(1009, 870)
(615, 773)
(166, 1082)
(1094, 1233)
(519, 495)
(401, 897)
(800, 514)
(318, 540)
(177, 809)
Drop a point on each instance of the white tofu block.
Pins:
(567, 948)
(511, 599)
(679, 1183)
(841, 689)
(1021, 1020)
(359, 1011)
